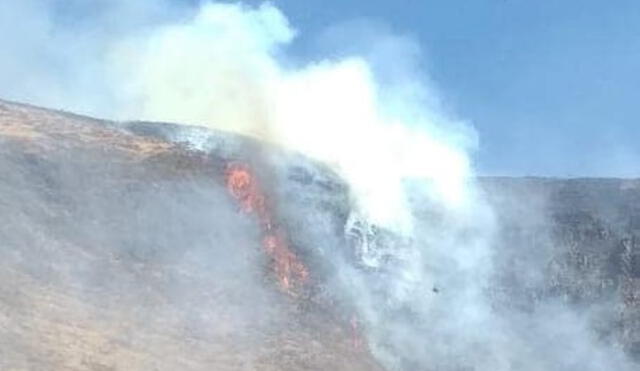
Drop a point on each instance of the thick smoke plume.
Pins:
(222, 70)
(421, 231)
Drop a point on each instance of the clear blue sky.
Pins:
(550, 85)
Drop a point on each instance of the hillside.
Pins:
(576, 241)
(124, 251)
(149, 246)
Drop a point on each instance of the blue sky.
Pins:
(550, 86)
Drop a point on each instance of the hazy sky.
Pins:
(551, 86)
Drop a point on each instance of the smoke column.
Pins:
(222, 70)
(225, 70)
(421, 295)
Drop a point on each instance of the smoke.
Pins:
(54, 49)
(224, 70)
(422, 235)
(421, 232)
(165, 271)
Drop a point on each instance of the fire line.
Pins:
(243, 186)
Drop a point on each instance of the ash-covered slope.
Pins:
(121, 250)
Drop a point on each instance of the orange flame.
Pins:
(243, 186)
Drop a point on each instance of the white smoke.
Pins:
(422, 296)
(224, 70)
(54, 50)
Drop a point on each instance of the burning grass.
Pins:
(243, 185)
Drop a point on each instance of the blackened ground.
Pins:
(575, 241)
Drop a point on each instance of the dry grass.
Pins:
(53, 318)
(45, 129)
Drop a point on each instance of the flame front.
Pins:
(243, 186)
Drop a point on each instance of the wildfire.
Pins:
(243, 186)
(291, 273)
